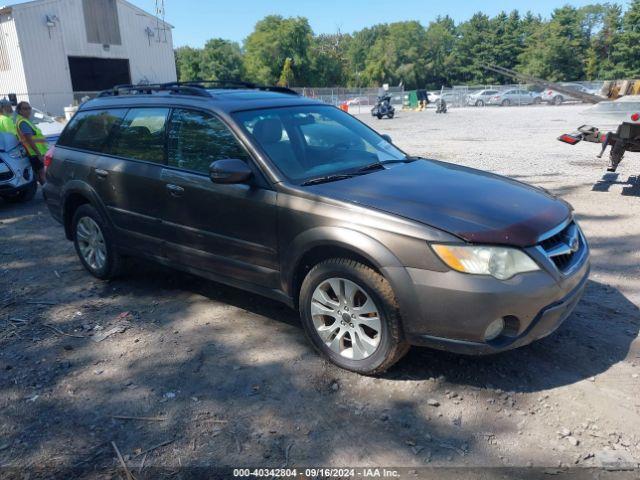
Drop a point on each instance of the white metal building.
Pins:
(54, 51)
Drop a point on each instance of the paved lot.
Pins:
(224, 377)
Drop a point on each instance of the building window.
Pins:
(101, 21)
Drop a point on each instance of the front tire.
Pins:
(558, 99)
(506, 103)
(94, 244)
(480, 103)
(350, 315)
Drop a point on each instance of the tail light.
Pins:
(635, 117)
(48, 157)
(570, 139)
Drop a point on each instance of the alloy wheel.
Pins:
(91, 243)
(346, 318)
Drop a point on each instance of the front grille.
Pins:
(565, 247)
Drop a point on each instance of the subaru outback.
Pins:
(293, 199)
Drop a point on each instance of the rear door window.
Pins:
(196, 139)
(89, 130)
(141, 135)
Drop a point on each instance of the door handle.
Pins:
(100, 173)
(175, 190)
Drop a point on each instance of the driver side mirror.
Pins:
(387, 137)
(229, 170)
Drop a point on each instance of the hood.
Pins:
(477, 206)
(8, 141)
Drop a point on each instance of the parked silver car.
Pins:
(515, 96)
(481, 98)
(17, 181)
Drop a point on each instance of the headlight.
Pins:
(499, 262)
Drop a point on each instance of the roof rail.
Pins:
(239, 84)
(196, 88)
(171, 87)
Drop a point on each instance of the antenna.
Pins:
(161, 26)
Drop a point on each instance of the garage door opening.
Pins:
(91, 74)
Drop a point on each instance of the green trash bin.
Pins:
(410, 99)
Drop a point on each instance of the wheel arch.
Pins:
(75, 194)
(318, 244)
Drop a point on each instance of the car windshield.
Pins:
(313, 141)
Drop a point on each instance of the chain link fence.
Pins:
(361, 100)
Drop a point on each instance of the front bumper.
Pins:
(21, 175)
(454, 309)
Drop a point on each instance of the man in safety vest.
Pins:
(32, 139)
(6, 117)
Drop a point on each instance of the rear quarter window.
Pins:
(89, 130)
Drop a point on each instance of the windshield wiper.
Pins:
(381, 164)
(327, 178)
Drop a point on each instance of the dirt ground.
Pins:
(222, 377)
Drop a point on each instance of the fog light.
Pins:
(494, 330)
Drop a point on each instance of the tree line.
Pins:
(594, 42)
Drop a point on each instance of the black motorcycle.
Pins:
(383, 107)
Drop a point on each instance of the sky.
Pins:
(196, 21)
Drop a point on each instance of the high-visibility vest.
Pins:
(38, 139)
(7, 125)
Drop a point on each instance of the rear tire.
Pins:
(558, 99)
(360, 324)
(94, 243)
(506, 103)
(379, 116)
(390, 114)
(24, 195)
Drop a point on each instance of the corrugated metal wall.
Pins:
(12, 78)
(150, 60)
(45, 49)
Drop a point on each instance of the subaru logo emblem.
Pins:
(574, 245)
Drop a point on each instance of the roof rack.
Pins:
(240, 84)
(196, 88)
(172, 87)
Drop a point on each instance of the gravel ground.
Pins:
(220, 377)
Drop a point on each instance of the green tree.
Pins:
(601, 61)
(273, 40)
(557, 49)
(358, 51)
(188, 62)
(221, 60)
(439, 38)
(473, 49)
(286, 76)
(328, 60)
(626, 53)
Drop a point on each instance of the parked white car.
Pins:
(515, 96)
(50, 127)
(481, 98)
(557, 98)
